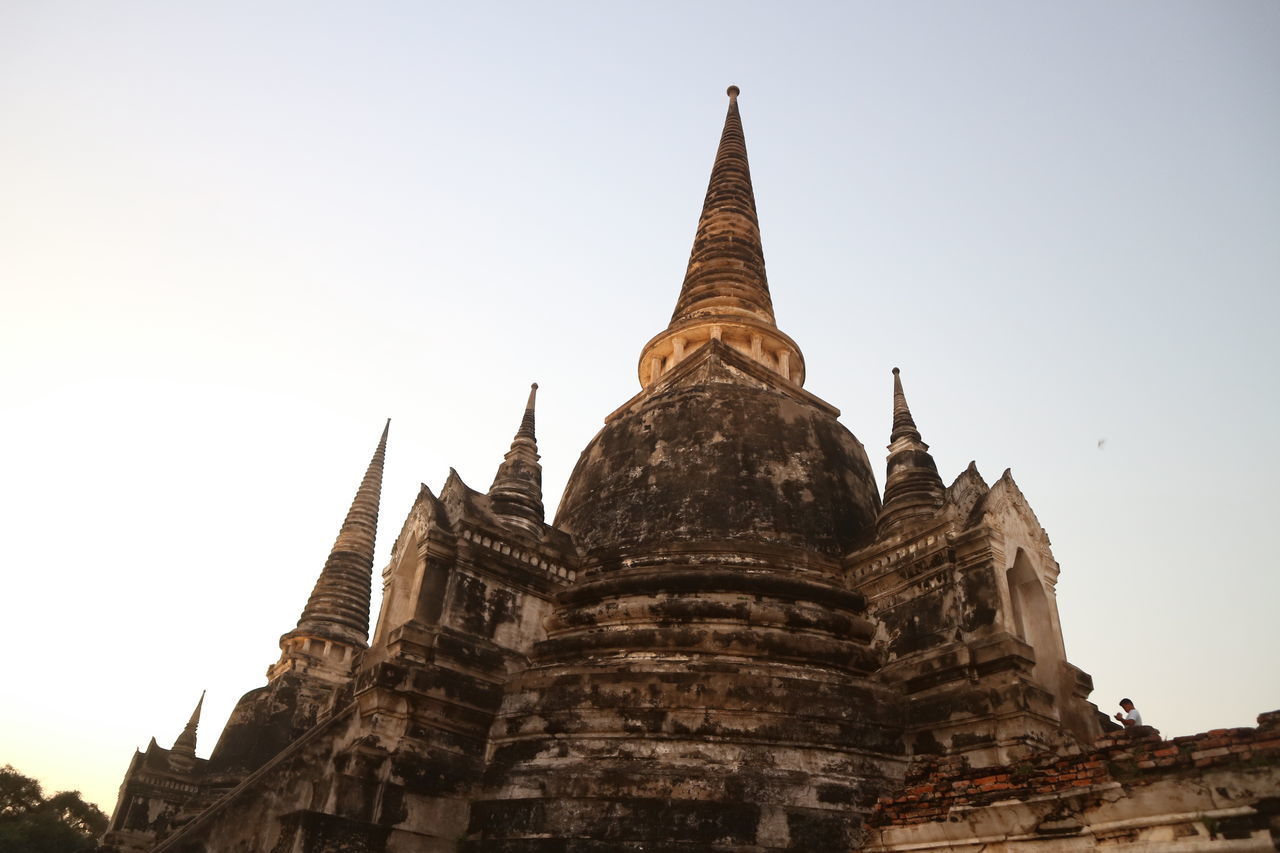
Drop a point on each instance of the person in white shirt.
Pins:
(1130, 717)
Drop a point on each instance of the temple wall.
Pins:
(1132, 791)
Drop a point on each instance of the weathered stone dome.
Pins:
(721, 450)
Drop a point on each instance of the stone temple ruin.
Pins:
(727, 640)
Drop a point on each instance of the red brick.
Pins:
(1210, 753)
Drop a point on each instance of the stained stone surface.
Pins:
(714, 454)
(724, 642)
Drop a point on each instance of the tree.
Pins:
(29, 823)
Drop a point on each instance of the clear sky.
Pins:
(234, 237)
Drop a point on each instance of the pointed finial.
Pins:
(516, 492)
(726, 267)
(904, 425)
(912, 487)
(526, 423)
(184, 747)
(339, 605)
(725, 294)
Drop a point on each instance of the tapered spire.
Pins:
(725, 295)
(527, 422)
(516, 493)
(912, 488)
(183, 753)
(726, 266)
(904, 426)
(339, 605)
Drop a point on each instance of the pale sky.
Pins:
(234, 237)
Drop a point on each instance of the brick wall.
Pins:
(935, 785)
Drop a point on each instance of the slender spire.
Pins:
(516, 492)
(725, 295)
(912, 488)
(339, 605)
(726, 266)
(527, 422)
(904, 426)
(183, 753)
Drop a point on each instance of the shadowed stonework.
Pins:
(725, 641)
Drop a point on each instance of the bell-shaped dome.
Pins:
(721, 450)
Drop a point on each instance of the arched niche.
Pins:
(1031, 615)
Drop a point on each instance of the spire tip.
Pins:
(895, 371)
(339, 604)
(733, 92)
(517, 487)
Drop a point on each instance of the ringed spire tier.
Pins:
(183, 751)
(912, 487)
(725, 295)
(517, 488)
(339, 605)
